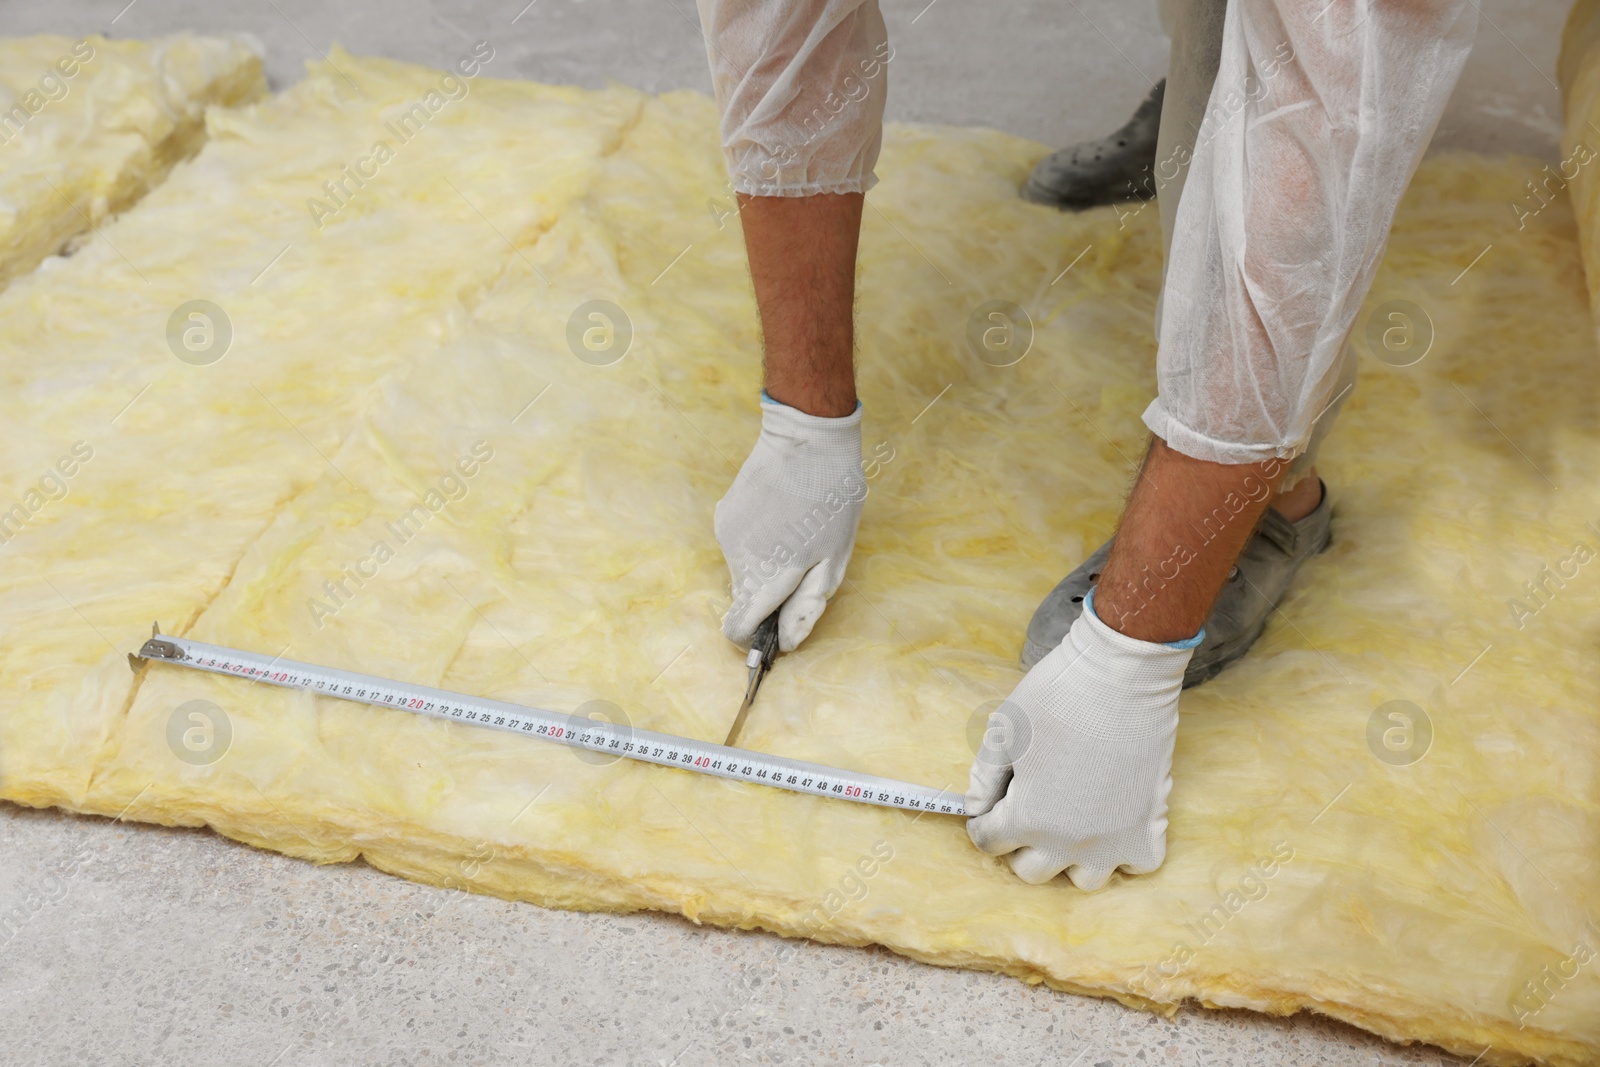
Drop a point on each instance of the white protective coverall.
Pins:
(801, 85)
(1292, 160)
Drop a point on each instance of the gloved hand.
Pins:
(788, 523)
(1076, 766)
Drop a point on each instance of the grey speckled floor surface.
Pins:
(136, 945)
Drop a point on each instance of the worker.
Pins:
(1287, 134)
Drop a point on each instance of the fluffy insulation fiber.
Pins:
(400, 466)
(88, 125)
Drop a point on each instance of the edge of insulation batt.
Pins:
(219, 71)
(421, 855)
(1578, 75)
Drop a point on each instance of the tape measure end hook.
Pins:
(155, 648)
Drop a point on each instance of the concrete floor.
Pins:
(140, 945)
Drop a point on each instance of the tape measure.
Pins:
(647, 746)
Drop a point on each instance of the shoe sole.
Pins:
(1039, 194)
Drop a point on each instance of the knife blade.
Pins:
(763, 650)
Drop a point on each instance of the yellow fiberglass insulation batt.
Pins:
(87, 125)
(399, 466)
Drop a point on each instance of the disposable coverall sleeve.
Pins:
(1317, 119)
(801, 86)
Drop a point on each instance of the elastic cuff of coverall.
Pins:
(746, 187)
(1195, 445)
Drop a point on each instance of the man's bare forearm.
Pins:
(1186, 522)
(802, 253)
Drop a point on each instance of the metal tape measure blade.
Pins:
(667, 750)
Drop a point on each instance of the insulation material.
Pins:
(89, 125)
(1578, 69)
(424, 459)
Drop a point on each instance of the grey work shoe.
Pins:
(1112, 169)
(1255, 585)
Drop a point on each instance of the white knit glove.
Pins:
(1076, 766)
(788, 523)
